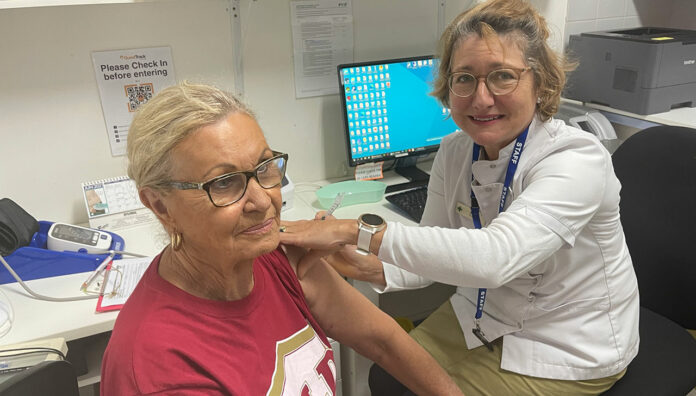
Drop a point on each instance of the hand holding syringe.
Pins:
(336, 203)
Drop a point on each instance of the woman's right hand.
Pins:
(352, 264)
(329, 234)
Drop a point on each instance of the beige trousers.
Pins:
(477, 371)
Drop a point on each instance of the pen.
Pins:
(336, 203)
(98, 270)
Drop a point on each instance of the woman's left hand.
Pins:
(350, 263)
(346, 261)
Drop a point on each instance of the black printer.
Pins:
(644, 70)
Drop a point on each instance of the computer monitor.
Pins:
(389, 113)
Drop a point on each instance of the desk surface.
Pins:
(685, 116)
(36, 319)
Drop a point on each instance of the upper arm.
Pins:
(344, 313)
(294, 254)
(566, 188)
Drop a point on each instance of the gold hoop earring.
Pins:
(176, 240)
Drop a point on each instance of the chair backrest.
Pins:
(56, 378)
(657, 170)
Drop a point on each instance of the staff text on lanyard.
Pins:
(512, 167)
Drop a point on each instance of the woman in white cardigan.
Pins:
(522, 216)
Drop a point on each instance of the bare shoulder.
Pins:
(294, 254)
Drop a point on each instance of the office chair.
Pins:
(657, 170)
(56, 378)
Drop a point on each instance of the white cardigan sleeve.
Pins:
(560, 194)
(434, 214)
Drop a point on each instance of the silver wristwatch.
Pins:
(368, 225)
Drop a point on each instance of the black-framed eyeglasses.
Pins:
(499, 82)
(229, 188)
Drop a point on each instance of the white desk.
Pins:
(684, 117)
(36, 319)
(626, 124)
(77, 321)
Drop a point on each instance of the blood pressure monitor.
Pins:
(67, 237)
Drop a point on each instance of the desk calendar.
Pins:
(114, 204)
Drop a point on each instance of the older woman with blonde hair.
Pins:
(522, 216)
(221, 310)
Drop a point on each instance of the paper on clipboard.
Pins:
(121, 278)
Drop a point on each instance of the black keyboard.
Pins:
(411, 202)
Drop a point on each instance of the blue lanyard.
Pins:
(512, 167)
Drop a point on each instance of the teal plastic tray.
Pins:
(356, 192)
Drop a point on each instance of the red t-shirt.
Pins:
(168, 342)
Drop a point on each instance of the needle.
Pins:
(336, 203)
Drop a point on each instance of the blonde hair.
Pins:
(519, 21)
(168, 118)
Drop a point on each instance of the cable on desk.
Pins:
(30, 351)
(6, 307)
(37, 295)
(391, 166)
(60, 299)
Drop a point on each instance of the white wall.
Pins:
(52, 131)
(554, 12)
(683, 14)
(311, 129)
(596, 15)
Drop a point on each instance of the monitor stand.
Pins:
(406, 167)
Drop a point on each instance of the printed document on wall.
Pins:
(127, 79)
(322, 34)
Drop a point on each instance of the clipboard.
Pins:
(120, 279)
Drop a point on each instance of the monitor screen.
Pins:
(388, 111)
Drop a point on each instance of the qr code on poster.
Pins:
(138, 94)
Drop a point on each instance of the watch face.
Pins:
(372, 219)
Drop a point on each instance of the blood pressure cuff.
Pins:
(17, 227)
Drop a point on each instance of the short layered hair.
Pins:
(167, 119)
(518, 21)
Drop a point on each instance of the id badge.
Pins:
(482, 337)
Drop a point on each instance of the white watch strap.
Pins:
(364, 238)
